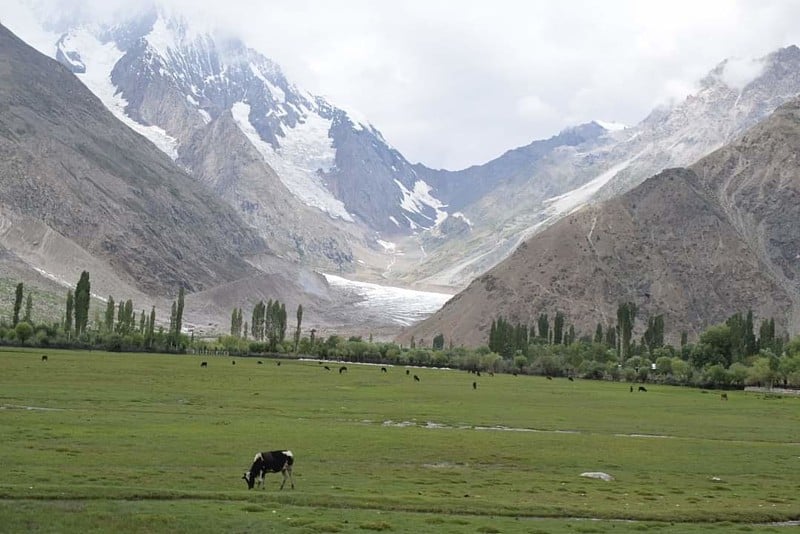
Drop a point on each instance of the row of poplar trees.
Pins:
(506, 338)
(268, 322)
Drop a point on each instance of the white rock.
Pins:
(599, 475)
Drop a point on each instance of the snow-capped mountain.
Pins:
(548, 181)
(327, 189)
(315, 182)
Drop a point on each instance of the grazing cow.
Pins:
(549, 377)
(383, 370)
(514, 373)
(233, 362)
(408, 372)
(631, 389)
(342, 369)
(491, 373)
(474, 385)
(279, 363)
(203, 364)
(270, 462)
(570, 379)
(327, 368)
(723, 396)
(260, 362)
(416, 378)
(642, 388)
(478, 373)
(44, 357)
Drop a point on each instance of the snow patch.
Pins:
(277, 93)
(611, 126)
(572, 200)
(305, 150)
(162, 38)
(414, 201)
(388, 246)
(100, 59)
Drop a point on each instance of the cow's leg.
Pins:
(287, 472)
(263, 474)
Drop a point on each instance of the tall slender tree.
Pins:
(558, 328)
(109, 318)
(151, 325)
(82, 299)
(626, 316)
(297, 330)
(28, 308)
(69, 312)
(179, 315)
(17, 305)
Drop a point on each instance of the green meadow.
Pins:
(108, 442)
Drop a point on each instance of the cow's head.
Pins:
(249, 479)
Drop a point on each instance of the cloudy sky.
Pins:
(453, 83)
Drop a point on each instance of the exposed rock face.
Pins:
(68, 165)
(528, 194)
(696, 244)
(336, 187)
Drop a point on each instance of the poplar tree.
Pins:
(544, 327)
(70, 312)
(626, 316)
(598, 333)
(82, 299)
(172, 320)
(129, 317)
(28, 308)
(151, 325)
(558, 328)
(109, 322)
(179, 315)
(297, 330)
(17, 305)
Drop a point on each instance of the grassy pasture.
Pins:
(147, 443)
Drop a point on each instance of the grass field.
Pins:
(98, 442)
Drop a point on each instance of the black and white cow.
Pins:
(270, 462)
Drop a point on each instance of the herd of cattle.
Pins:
(281, 461)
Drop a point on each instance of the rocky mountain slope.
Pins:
(328, 190)
(696, 244)
(529, 193)
(72, 173)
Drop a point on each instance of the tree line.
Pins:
(119, 328)
(734, 353)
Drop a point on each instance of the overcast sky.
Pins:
(455, 83)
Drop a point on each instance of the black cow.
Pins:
(327, 368)
(723, 396)
(474, 385)
(203, 364)
(279, 363)
(260, 362)
(408, 372)
(44, 357)
(233, 362)
(642, 388)
(383, 370)
(570, 379)
(416, 378)
(270, 462)
(342, 369)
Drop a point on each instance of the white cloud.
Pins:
(457, 83)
